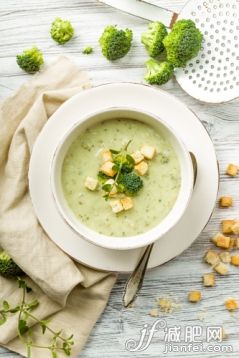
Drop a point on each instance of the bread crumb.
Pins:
(225, 257)
(154, 312)
(231, 304)
(194, 296)
(225, 201)
(167, 305)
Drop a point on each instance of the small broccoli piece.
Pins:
(115, 43)
(30, 60)
(61, 30)
(153, 38)
(125, 161)
(130, 183)
(158, 73)
(102, 177)
(8, 268)
(183, 42)
(87, 50)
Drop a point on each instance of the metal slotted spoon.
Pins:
(212, 76)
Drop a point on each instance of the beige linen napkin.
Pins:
(72, 295)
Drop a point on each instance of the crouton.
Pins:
(91, 183)
(209, 279)
(221, 240)
(232, 243)
(154, 312)
(231, 304)
(227, 226)
(194, 296)
(235, 228)
(116, 206)
(237, 242)
(225, 257)
(107, 168)
(127, 203)
(137, 156)
(235, 260)
(221, 268)
(148, 151)
(141, 168)
(106, 155)
(225, 201)
(232, 170)
(212, 258)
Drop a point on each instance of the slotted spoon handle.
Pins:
(145, 10)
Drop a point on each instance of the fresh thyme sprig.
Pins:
(24, 309)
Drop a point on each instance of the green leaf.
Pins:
(33, 304)
(66, 348)
(113, 151)
(22, 327)
(107, 187)
(116, 167)
(5, 305)
(15, 309)
(130, 159)
(44, 324)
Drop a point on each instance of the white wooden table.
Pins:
(26, 22)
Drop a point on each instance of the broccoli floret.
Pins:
(61, 30)
(87, 50)
(131, 183)
(125, 161)
(153, 38)
(115, 43)
(183, 42)
(8, 268)
(30, 60)
(158, 73)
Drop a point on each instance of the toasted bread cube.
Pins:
(137, 156)
(235, 260)
(232, 170)
(221, 240)
(225, 257)
(221, 268)
(127, 203)
(232, 243)
(194, 296)
(209, 279)
(235, 228)
(114, 188)
(106, 155)
(141, 168)
(225, 201)
(116, 206)
(237, 243)
(212, 258)
(231, 304)
(91, 183)
(148, 151)
(107, 168)
(227, 226)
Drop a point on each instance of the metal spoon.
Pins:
(135, 281)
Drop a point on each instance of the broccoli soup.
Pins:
(121, 177)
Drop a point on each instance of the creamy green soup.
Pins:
(151, 204)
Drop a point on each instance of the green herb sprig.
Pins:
(24, 310)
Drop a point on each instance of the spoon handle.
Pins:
(135, 280)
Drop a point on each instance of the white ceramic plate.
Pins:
(189, 129)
